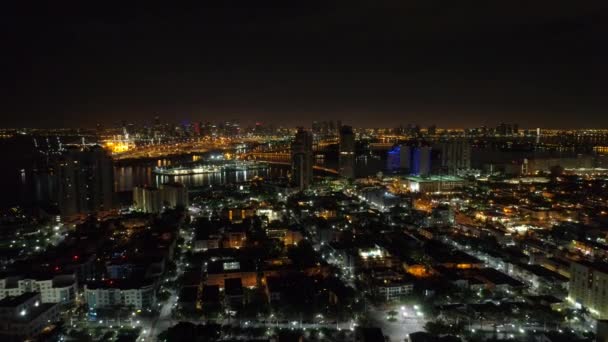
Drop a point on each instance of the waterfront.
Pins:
(128, 176)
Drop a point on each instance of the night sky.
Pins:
(368, 63)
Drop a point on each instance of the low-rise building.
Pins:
(140, 294)
(233, 293)
(496, 280)
(53, 289)
(220, 270)
(538, 276)
(378, 196)
(205, 242)
(441, 216)
(25, 316)
(393, 289)
(287, 236)
(433, 183)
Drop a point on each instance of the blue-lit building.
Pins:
(420, 161)
(415, 160)
(393, 160)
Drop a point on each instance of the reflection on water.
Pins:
(165, 162)
(128, 176)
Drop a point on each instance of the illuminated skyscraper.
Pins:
(347, 152)
(301, 159)
(147, 199)
(393, 159)
(415, 160)
(421, 161)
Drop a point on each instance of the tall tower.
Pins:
(416, 159)
(455, 155)
(301, 159)
(85, 180)
(347, 152)
(421, 161)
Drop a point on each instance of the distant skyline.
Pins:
(380, 64)
(307, 125)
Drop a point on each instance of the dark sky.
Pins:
(369, 63)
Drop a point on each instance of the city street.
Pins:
(405, 322)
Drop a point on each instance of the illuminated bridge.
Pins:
(282, 158)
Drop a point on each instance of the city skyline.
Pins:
(251, 125)
(375, 171)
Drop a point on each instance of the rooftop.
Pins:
(8, 302)
(498, 278)
(596, 265)
(211, 293)
(128, 284)
(233, 287)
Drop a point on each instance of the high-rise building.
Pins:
(147, 199)
(421, 161)
(454, 155)
(405, 157)
(415, 160)
(347, 152)
(589, 287)
(230, 128)
(325, 128)
(331, 127)
(501, 129)
(84, 179)
(316, 127)
(152, 199)
(302, 159)
(174, 195)
(507, 129)
(393, 159)
(207, 129)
